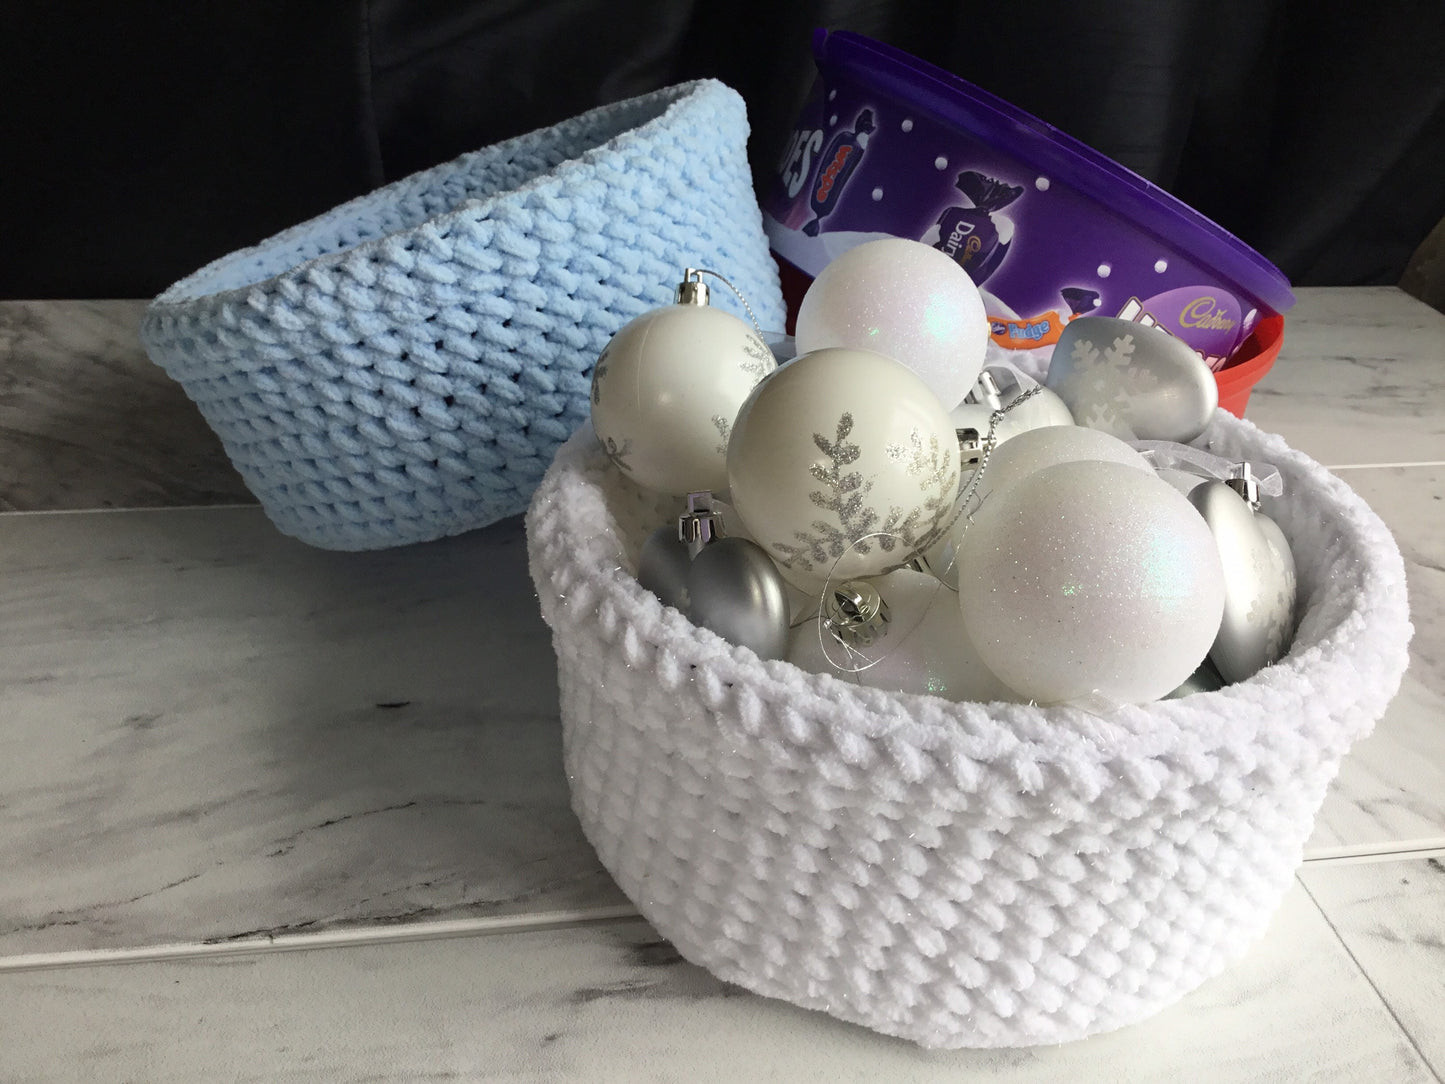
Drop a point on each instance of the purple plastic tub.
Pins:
(1048, 228)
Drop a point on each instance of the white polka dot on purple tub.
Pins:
(833, 119)
(877, 194)
(1041, 183)
(940, 162)
(907, 124)
(1161, 266)
(832, 94)
(1103, 270)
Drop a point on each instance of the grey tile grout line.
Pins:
(1414, 1045)
(447, 929)
(1402, 851)
(360, 937)
(17, 512)
(1385, 466)
(256, 504)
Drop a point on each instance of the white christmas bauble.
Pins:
(978, 417)
(1042, 408)
(1090, 583)
(842, 464)
(904, 299)
(1184, 481)
(665, 392)
(1035, 449)
(1023, 454)
(924, 650)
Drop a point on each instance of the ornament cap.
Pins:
(1243, 482)
(691, 290)
(856, 613)
(987, 392)
(701, 524)
(970, 446)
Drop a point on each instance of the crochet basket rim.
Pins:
(1130, 731)
(189, 291)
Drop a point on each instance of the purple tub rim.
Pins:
(1057, 154)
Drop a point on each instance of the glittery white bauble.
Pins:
(924, 651)
(1025, 453)
(1036, 449)
(665, 392)
(1184, 481)
(1090, 583)
(904, 299)
(841, 464)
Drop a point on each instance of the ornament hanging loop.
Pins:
(692, 284)
(701, 524)
(980, 451)
(691, 290)
(855, 613)
(1243, 482)
(975, 451)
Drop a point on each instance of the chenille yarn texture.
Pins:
(956, 874)
(404, 366)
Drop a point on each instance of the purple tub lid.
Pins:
(1101, 178)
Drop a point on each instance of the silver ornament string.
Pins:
(990, 443)
(821, 621)
(738, 293)
(961, 504)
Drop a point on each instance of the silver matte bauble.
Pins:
(1132, 381)
(1260, 585)
(663, 566)
(735, 590)
(666, 557)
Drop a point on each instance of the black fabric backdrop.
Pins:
(142, 140)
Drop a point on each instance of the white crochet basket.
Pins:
(956, 874)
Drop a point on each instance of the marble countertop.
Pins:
(271, 813)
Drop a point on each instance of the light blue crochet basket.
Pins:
(403, 367)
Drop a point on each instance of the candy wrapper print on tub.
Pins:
(1049, 229)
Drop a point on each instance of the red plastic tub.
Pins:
(1254, 357)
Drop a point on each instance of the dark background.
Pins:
(143, 140)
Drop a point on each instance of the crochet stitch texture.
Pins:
(956, 874)
(404, 366)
